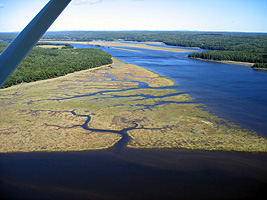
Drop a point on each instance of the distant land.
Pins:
(222, 46)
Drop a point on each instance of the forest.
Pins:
(242, 47)
(46, 63)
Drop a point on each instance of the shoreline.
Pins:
(94, 109)
(25, 84)
(119, 43)
(261, 69)
(226, 62)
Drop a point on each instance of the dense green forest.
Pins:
(241, 56)
(44, 63)
(243, 47)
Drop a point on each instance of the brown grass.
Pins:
(51, 46)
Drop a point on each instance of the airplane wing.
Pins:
(12, 56)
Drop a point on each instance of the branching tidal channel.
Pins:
(125, 138)
(113, 107)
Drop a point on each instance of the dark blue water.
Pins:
(133, 174)
(234, 92)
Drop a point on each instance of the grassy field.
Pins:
(51, 46)
(86, 109)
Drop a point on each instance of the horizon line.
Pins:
(143, 31)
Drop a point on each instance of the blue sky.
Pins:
(200, 15)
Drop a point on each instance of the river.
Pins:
(233, 92)
(236, 93)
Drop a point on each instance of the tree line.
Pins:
(43, 63)
(241, 56)
(243, 47)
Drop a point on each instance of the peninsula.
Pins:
(117, 105)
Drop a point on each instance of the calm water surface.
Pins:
(233, 92)
(133, 174)
(236, 93)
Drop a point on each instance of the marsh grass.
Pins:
(39, 116)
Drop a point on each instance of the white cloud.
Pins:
(2, 5)
(79, 2)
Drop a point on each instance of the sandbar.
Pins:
(128, 44)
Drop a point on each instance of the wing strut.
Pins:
(12, 56)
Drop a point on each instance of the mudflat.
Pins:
(139, 45)
(92, 109)
(128, 44)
